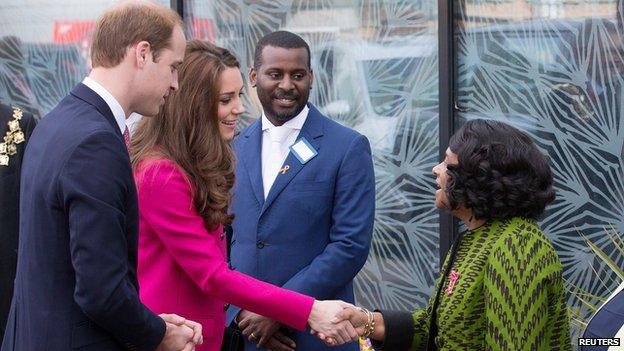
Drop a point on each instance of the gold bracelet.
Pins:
(369, 326)
(372, 325)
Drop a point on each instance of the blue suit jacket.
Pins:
(76, 285)
(313, 232)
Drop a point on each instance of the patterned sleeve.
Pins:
(421, 328)
(404, 330)
(523, 288)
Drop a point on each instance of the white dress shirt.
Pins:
(113, 104)
(133, 121)
(276, 142)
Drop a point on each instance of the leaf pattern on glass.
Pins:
(557, 74)
(376, 70)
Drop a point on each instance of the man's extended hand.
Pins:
(257, 328)
(181, 334)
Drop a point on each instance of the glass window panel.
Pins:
(375, 70)
(44, 49)
(554, 69)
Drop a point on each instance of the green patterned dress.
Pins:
(504, 291)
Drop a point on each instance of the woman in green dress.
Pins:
(501, 286)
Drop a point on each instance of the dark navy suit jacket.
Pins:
(313, 232)
(76, 285)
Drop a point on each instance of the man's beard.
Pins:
(287, 116)
(283, 116)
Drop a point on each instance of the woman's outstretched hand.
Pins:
(323, 322)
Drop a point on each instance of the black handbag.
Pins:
(232, 340)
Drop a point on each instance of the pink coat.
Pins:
(182, 266)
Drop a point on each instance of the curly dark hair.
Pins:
(500, 173)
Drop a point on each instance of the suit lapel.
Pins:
(251, 156)
(312, 130)
(89, 96)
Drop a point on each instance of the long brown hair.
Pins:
(186, 131)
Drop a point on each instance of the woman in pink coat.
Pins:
(184, 170)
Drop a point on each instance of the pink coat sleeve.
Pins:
(166, 203)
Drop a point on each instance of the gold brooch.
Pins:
(13, 136)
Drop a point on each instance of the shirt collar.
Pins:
(113, 104)
(294, 123)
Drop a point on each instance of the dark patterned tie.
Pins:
(126, 135)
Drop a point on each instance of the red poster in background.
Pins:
(203, 28)
(72, 31)
(80, 32)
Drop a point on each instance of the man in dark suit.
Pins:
(304, 197)
(15, 129)
(76, 284)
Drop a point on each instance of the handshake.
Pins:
(334, 322)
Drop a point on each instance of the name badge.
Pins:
(303, 150)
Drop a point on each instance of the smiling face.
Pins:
(230, 103)
(283, 82)
(441, 199)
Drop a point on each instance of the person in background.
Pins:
(16, 126)
(76, 284)
(304, 198)
(607, 322)
(184, 170)
(501, 286)
(14, 80)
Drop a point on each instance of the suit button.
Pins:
(260, 244)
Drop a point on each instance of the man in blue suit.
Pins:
(304, 196)
(76, 284)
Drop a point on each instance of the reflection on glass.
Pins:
(554, 69)
(375, 70)
(44, 50)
